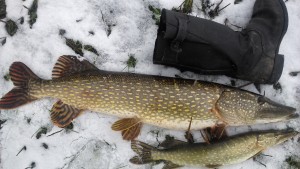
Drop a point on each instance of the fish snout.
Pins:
(274, 137)
(286, 112)
(275, 112)
(293, 116)
(285, 135)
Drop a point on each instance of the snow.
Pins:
(92, 144)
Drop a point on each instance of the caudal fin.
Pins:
(144, 152)
(20, 75)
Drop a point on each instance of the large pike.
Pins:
(161, 101)
(230, 151)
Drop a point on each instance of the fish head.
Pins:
(239, 107)
(274, 137)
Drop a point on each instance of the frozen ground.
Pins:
(92, 144)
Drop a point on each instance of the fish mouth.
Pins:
(291, 113)
(285, 135)
(288, 113)
(293, 116)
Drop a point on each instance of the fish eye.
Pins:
(261, 100)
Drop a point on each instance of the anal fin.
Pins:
(62, 114)
(130, 127)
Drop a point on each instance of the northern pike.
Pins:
(232, 150)
(161, 101)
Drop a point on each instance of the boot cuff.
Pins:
(173, 25)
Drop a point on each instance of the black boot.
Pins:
(2, 9)
(191, 43)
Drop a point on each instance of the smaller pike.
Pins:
(233, 150)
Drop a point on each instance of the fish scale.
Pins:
(155, 100)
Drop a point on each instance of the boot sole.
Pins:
(279, 59)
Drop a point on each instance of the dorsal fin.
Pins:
(67, 65)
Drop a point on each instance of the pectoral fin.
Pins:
(130, 127)
(170, 165)
(62, 114)
(218, 132)
(188, 135)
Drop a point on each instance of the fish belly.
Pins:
(176, 123)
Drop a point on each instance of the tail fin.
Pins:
(144, 152)
(20, 75)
